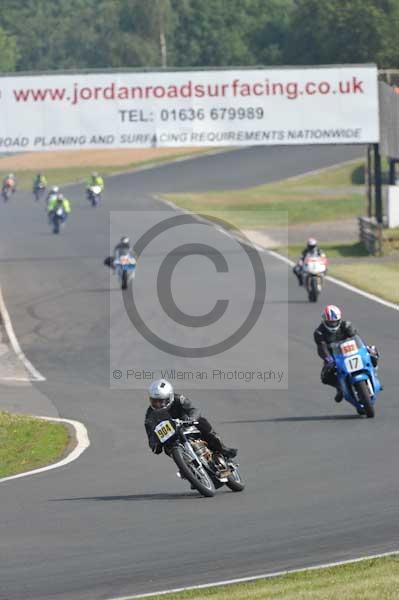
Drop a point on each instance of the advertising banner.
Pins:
(327, 105)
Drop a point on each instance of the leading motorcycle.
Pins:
(204, 469)
(357, 374)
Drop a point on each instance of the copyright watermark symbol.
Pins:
(198, 295)
(165, 294)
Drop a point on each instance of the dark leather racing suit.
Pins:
(180, 408)
(324, 338)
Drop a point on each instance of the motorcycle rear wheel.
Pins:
(364, 398)
(198, 477)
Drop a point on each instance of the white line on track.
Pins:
(258, 577)
(286, 260)
(5, 317)
(83, 442)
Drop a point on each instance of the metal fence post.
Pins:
(378, 184)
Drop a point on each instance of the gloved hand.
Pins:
(328, 361)
(373, 350)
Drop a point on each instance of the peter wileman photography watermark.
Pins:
(194, 309)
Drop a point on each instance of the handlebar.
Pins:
(182, 422)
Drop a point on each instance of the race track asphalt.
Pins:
(322, 484)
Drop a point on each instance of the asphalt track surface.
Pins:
(322, 485)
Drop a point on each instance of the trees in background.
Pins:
(79, 34)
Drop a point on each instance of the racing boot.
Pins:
(229, 452)
(216, 445)
(339, 396)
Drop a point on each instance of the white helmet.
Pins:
(55, 189)
(161, 394)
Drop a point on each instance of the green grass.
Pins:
(78, 174)
(367, 580)
(379, 278)
(324, 196)
(391, 240)
(333, 250)
(27, 443)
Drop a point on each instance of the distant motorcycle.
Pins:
(38, 191)
(125, 267)
(8, 189)
(313, 272)
(204, 469)
(357, 376)
(94, 194)
(58, 218)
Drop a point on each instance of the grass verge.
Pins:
(331, 195)
(75, 174)
(378, 278)
(27, 443)
(333, 250)
(376, 579)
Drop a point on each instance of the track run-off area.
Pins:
(321, 484)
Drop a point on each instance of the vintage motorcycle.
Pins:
(204, 469)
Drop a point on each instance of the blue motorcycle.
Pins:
(125, 266)
(357, 376)
(58, 218)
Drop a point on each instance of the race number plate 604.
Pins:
(354, 363)
(164, 431)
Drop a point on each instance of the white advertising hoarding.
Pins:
(324, 105)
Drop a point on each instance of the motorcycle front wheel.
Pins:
(197, 476)
(234, 481)
(313, 290)
(363, 393)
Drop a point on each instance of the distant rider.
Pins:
(311, 249)
(10, 182)
(40, 182)
(334, 329)
(52, 193)
(95, 180)
(122, 248)
(177, 406)
(59, 201)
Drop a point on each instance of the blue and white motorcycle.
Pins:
(125, 267)
(357, 374)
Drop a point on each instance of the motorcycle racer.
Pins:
(311, 249)
(177, 406)
(56, 202)
(94, 180)
(334, 329)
